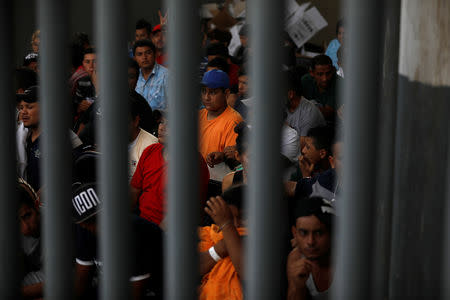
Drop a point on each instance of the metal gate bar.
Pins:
(113, 136)
(56, 166)
(355, 208)
(264, 269)
(9, 275)
(184, 96)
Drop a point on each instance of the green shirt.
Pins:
(329, 97)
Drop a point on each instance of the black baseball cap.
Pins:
(316, 206)
(30, 95)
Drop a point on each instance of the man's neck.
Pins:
(134, 135)
(147, 71)
(35, 133)
(214, 114)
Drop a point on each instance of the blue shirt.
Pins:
(332, 49)
(154, 89)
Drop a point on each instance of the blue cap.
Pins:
(216, 79)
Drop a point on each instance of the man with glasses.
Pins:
(217, 120)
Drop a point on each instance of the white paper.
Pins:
(304, 28)
(206, 10)
(235, 40)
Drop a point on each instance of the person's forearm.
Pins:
(206, 262)
(295, 292)
(233, 243)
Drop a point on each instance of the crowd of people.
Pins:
(310, 149)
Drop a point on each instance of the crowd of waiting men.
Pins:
(310, 150)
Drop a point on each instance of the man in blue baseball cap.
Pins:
(217, 120)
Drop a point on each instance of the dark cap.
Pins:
(29, 58)
(316, 206)
(30, 95)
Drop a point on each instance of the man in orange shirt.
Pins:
(217, 120)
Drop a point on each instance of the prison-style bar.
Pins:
(56, 166)
(9, 230)
(111, 39)
(184, 96)
(355, 208)
(264, 269)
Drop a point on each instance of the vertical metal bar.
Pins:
(446, 245)
(56, 167)
(184, 51)
(386, 149)
(361, 91)
(9, 280)
(264, 254)
(113, 136)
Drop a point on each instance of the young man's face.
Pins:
(312, 236)
(238, 218)
(310, 152)
(90, 63)
(322, 74)
(159, 39)
(142, 34)
(243, 85)
(145, 57)
(214, 100)
(30, 221)
(30, 114)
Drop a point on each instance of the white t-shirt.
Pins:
(305, 117)
(135, 149)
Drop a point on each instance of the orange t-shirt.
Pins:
(222, 281)
(216, 134)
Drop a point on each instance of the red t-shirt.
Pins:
(150, 177)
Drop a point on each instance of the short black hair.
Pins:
(320, 60)
(235, 196)
(144, 43)
(217, 49)
(144, 24)
(90, 50)
(222, 36)
(220, 63)
(319, 207)
(242, 71)
(339, 24)
(323, 137)
(293, 82)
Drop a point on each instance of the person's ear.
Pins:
(331, 161)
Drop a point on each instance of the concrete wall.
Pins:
(422, 148)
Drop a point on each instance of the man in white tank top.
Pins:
(309, 268)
